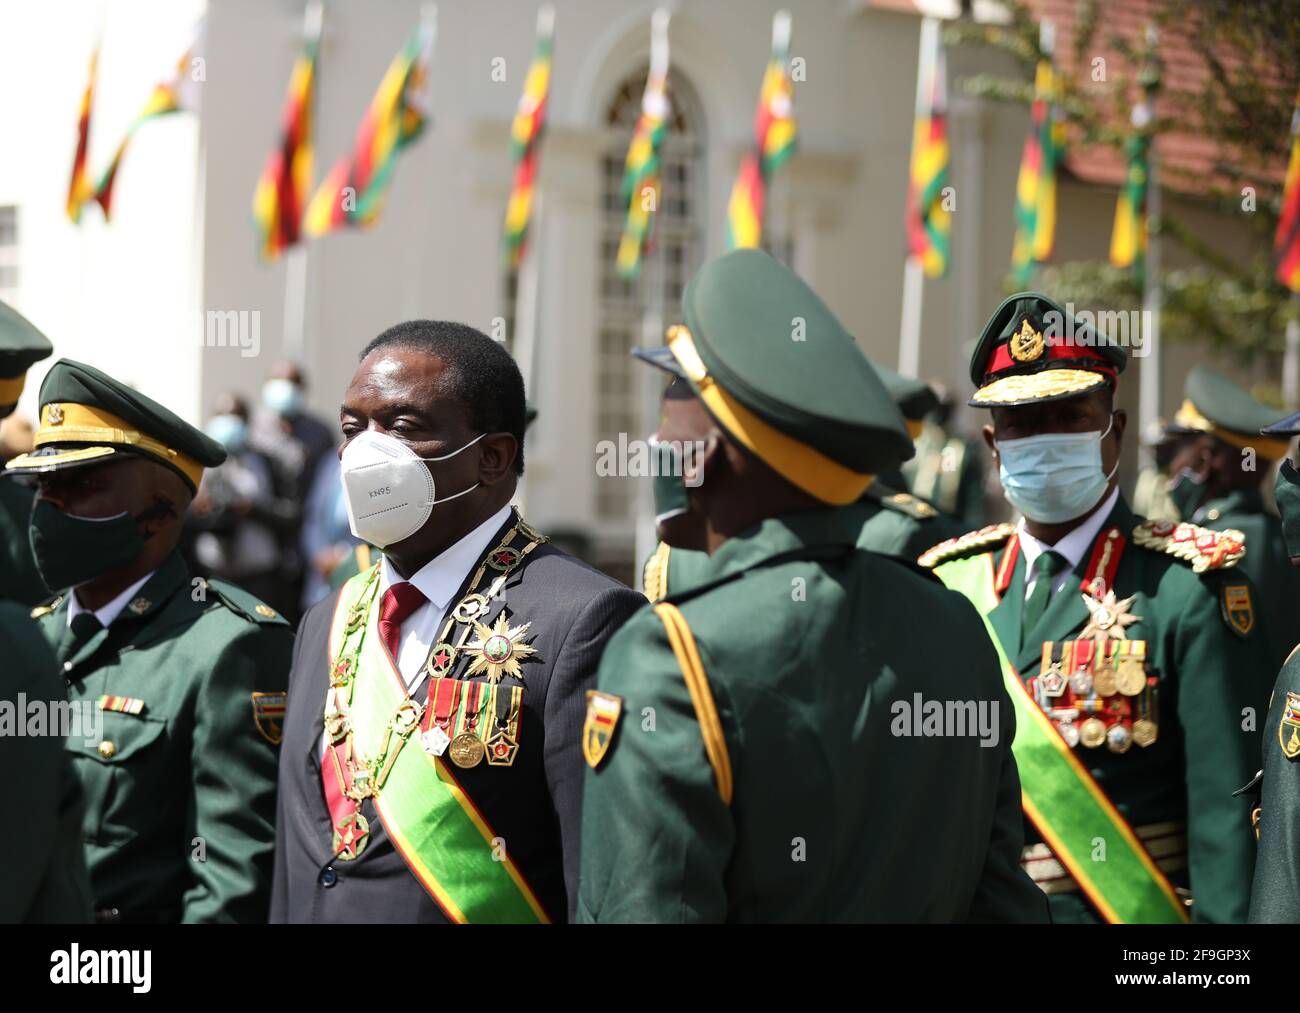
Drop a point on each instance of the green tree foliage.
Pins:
(1243, 102)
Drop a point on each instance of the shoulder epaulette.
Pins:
(654, 575)
(964, 545)
(45, 609)
(1204, 548)
(906, 503)
(247, 605)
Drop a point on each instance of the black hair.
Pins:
(481, 374)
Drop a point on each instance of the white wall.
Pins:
(118, 294)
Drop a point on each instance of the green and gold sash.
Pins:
(434, 824)
(1061, 797)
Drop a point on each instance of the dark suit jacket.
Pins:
(535, 806)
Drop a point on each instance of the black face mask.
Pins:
(72, 550)
(1186, 492)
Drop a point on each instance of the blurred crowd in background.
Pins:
(270, 519)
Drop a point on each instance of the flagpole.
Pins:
(652, 326)
(295, 265)
(1149, 386)
(909, 338)
(527, 311)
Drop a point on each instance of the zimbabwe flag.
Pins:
(282, 190)
(775, 138)
(355, 190)
(1128, 239)
(79, 188)
(929, 223)
(641, 180)
(1036, 183)
(525, 140)
(178, 94)
(1286, 244)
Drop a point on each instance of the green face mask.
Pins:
(670, 485)
(1286, 489)
(1186, 492)
(72, 550)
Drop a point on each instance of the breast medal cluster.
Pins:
(467, 721)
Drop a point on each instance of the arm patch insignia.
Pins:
(268, 715)
(1238, 608)
(1288, 732)
(603, 712)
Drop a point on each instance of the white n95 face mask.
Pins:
(388, 491)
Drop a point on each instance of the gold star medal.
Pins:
(1107, 617)
(498, 650)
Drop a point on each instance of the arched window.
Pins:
(678, 249)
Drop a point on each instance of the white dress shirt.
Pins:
(106, 613)
(438, 580)
(1072, 546)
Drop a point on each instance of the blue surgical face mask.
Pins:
(230, 431)
(284, 397)
(1054, 477)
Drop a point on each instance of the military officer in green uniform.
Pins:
(1130, 647)
(21, 345)
(1275, 896)
(948, 469)
(1218, 468)
(43, 876)
(895, 523)
(188, 675)
(756, 742)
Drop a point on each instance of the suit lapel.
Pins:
(1066, 613)
(148, 603)
(1005, 617)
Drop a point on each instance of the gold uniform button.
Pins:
(107, 749)
(1213, 515)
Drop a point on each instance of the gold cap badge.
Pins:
(1027, 344)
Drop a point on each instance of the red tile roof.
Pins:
(1192, 162)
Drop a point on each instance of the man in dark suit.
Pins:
(431, 768)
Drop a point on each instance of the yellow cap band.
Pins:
(65, 422)
(1271, 448)
(809, 469)
(11, 388)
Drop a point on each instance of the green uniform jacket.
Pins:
(948, 471)
(19, 579)
(1266, 560)
(1276, 894)
(1209, 687)
(180, 797)
(43, 876)
(895, 523)
(810, 647)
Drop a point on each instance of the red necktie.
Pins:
(395, 608)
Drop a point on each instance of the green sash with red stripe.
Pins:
(1061, 798)
(433, 823)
